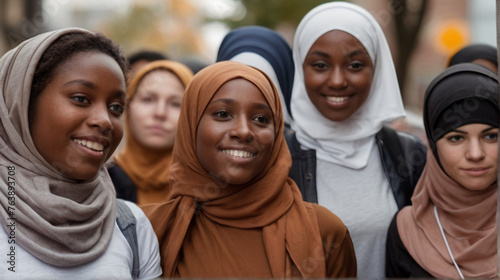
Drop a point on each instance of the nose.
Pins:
(99, 117)
(337, 78)
(475, 151)
(160, 110)
(241, 130)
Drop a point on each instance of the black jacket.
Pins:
(403, 159)
(125, 188)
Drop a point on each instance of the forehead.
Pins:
(337, 40)
(240, 90)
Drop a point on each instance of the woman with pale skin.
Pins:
(155, 97)
(345, 156)
(450, 230)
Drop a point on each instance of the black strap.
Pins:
(402, 164)
(127, 224)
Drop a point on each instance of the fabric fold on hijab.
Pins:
(270, 201)
(59, 220)
(347, 143)
(266, 50)
(149, 169)
(468, 217)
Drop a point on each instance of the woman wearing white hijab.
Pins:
(344, 157)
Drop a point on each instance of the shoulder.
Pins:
(407, 141)
(330, 225)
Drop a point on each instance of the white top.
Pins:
(365, 205)
(115, 263)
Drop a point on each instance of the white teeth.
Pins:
(89, 144)
(237, 153)
(337, 99)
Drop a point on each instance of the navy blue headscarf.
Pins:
(269, 45)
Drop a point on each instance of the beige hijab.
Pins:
(58, 220)
(468, 217)
(271, 201)
(146, 168)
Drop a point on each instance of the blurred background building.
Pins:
(422, 33)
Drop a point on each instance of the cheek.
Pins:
(312, 79)
(117, 130)
(173, 116)
(266, 140)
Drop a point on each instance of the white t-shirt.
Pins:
(363, 200)
(115, 263)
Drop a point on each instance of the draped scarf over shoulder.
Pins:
(349, 142)
(468, 217)
(60, 221)
(149, 169)
(266, 50)
(270, 201)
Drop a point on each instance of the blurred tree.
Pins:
(406, 15)
(408, 19)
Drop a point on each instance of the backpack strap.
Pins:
(127, 224)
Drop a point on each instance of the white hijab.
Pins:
(347, 143)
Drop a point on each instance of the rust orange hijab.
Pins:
(271, 201)
(148, 169)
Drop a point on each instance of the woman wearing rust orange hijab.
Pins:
(234, 211)
(155, 96)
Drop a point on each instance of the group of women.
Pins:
(272, 162)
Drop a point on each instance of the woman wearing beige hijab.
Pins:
(450, 231)
(62, 97)
(155, 96)
(234, 212)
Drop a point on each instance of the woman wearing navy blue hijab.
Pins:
(481, 54)
(266, 50)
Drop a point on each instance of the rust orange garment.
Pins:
(149, 169)
(263, 229)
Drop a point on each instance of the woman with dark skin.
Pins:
(62, 97)
(234, 212)
(345, 156)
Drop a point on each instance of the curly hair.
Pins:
(61, 50)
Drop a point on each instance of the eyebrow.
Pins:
(119, 94)
(348, 55)
(82, 82)
(229, 101)
(464, 132)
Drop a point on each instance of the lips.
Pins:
(476, 171)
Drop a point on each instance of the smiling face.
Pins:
(338, 74)
(77, 121)
(469, 155)
(154, 110)
(236, 133)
